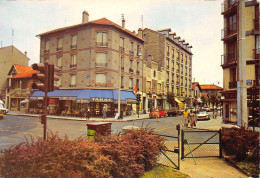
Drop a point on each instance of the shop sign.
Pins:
(67, 98)
(20, 94)
(36, 97)
(101, 99)
(82, 101)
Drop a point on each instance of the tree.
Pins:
(187, 101)
(204, 99)
(170, 98)
(214, 100)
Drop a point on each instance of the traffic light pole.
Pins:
(44, 118)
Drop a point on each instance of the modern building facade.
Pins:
(9, 56)
(174, 59)
(95, 54)
(241, 39)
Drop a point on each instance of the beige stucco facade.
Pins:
(9, 56)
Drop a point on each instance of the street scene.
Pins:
(119, 89)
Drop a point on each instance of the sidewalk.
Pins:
(99, 119)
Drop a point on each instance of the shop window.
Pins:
(101, 60)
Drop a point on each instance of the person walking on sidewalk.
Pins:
(192, 119)
(104, 111)
(185, 116)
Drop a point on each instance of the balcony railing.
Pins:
(167, 80)
(122, 49)
(257, 53)
(46, 51)
(122, 68)
(228, 5)
(74, 85)
(233, 85)
(131, 52)
(130, 87)
(131, 70)
(59, 49)
(229, 58)
(228, 31)
(101, 44)
(73, 65)
(137, 72)
(73, 46)
(101, 64)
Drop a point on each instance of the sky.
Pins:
(199, 22)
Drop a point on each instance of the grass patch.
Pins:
(163, 171)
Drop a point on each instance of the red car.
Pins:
(162, 113)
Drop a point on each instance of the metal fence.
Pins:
(201, 143)
(171, 156)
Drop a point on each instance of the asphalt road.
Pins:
(14, 129)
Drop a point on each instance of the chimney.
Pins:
(85, 17)
(123, 21)
(140, 33)
(25, 53)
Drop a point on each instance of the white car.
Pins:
(2, 108)
(203, 115)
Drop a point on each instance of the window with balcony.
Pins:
(101, 79)
(138, 53)
(73, 81)
(122, 63)
(122, 44)
(73, 61)
(59, 46)
(130, 83)
(137, 68)
(137, 84)
(101, 60)
(47, 46)
(131, 66)
(73, 41)
(131, 51)
(101, 39)
(59, 62)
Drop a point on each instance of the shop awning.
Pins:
(177, 100)
(88, 95)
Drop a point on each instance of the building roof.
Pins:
(210, 87)
(102, 21)
(26, 74)
(21, 68)
(194, 84)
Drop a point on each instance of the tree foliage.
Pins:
(170, 98)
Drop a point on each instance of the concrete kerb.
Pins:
(127, 118)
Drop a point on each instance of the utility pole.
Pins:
(119, 84)
(242, 117)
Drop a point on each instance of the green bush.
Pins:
(113, 156)
(132, 153)
(54, 157)
(242, 143)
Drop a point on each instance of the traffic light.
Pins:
(46, 76)
(138, 97)
(42, 76)
(52, 77)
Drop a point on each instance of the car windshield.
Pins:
(203, 112)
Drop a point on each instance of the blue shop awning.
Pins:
(88, 95)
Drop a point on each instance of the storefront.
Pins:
(78, 102)
(18, 100)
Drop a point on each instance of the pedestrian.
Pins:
(215, 114)
(156, 114)
(185, 116)
(104, 111)
(192, 119)
(88, 113)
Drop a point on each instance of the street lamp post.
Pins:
(119, 84)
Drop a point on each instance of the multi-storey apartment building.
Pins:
(241, 43)
(174, 59)
(96, 55)
(9, 56)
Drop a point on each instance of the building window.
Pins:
(149, 86)
(101, 60)
(131, 83)
(101, 79)
(154, 73)
(257, 44)
(168, 50)
(131, 66)
(122, 82)
(59, 62)
(131, 51)
(122, 44)
(74, 41)
(59, 47)
(137, 68)
(102, 39)
(137, 84)
(73, 81)
(122, 63)
(73, 61)
(47, 46)
(138, 51)
(58, 83)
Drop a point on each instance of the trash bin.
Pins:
(101, 128)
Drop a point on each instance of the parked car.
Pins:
(173, 111)
(3, 110)
(162, 113)
(203, 115)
